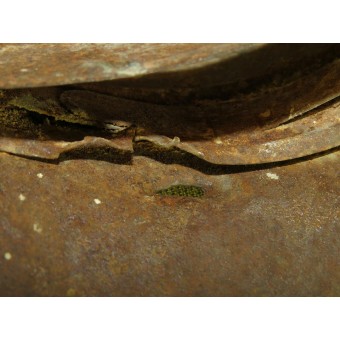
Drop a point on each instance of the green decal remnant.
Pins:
(182, 190)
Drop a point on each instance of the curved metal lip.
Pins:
(94, 62)
(37, 65)
(304, 137)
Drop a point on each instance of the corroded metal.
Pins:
(31, 65)
(155, 65)
(269, 232)
(190, 170)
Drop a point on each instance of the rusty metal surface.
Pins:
(151, 65)
(188, 170)
(270, 232)
(28, 65)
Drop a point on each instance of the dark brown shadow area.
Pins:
(239, 73)
(106, 154)
(258, 89)
(177, 156)
(170, 156)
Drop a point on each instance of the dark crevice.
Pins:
(54, 126)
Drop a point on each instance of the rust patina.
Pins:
(169, 170)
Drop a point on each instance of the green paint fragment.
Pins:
(182, 190)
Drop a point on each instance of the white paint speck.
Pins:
(7, 256)
(40, 175)
(23, 70)
(97, 201)
(22, 197)
(272, 175)
(36, 228)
